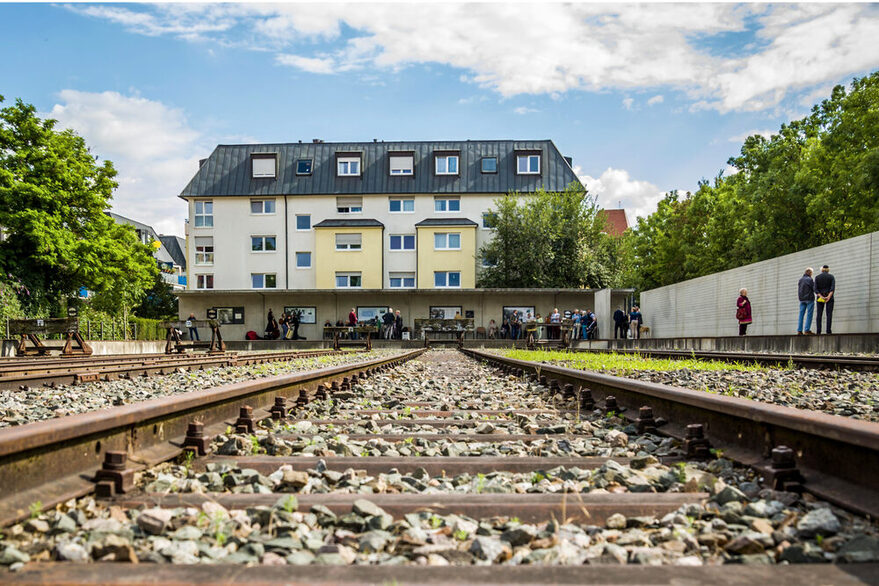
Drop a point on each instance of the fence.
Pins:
(137, 329)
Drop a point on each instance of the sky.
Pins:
(646, 98)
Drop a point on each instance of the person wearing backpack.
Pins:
(743, 311)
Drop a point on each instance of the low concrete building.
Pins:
(243, 311)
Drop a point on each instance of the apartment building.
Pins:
(356, 223)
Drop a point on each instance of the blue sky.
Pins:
(645, 98)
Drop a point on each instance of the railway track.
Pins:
(33, 372)
(424, 467)
(817, 361)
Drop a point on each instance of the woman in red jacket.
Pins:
(743, 313)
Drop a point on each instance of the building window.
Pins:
(204, 214)
(264, 165)
(489, 220)
(303, 260)
(401, 205)
(348, 241)
(447, 279)
(447, 241)
(489, 164)
(204, 250)
(349, 205)
(402, 164)
(447, 165)
(303, 222)
(263, 244)
(263, 280)
(528, 165)
(348, 166)
(402, 242)
(204, 281)
(303, 166)
(262, 206)
(401, 280)
(447, 204)
(348, 281)
(486, 263)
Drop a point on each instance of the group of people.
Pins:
(624, 324)
(391, 324)
(810, 292)
(285, 328)
(515, 326)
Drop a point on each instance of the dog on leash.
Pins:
(645, 331)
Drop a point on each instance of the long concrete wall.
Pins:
(707, 306)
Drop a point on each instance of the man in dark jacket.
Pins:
(825, 284)
(388, 321)
(806, 292)
(621, 323)
(398, 325)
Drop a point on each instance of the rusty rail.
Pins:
(51, 461)
(837, 458)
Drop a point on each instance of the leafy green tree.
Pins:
(159, 302)
(58, 238)
(549, 239)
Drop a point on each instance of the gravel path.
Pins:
(36, 404)
(739, 523)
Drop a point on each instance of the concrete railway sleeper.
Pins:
(424, 467)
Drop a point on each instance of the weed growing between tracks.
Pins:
(625, 363)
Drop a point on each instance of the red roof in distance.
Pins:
(616, 221)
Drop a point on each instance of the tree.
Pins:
(548, 239)
(53, 196)
(159, 302)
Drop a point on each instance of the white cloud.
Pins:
(566, 47)
(151, 145)
(522, 110)
(740, 138)
(615, 188)
(657, 99)
(627, 103)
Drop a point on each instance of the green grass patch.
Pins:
(624, 363)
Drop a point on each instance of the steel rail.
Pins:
(97, 370)
(838, 457)
(817, 361)
(53, 460)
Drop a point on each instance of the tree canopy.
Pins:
(57, 236)
(549, 239)
(814, 182)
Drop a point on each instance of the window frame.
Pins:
(264, 201)
(202, 279)
(349, 209)
(263, 238)
(528, 156)
(349, 158)
(447, 279)
(482, 165)
(402, 238)
(401, 155)
(205, 215)
(205, 262)
(347, 275)
(310, 163)
(446, 156)
(447, 240)
(401, 276)
(488, 214)
(296, 260)
(263, 157)
(265, 280)
(298, 229)
(402, 201)
(348, 246)
(447, 200)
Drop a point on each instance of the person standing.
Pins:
(592, 330)
(806, 294)
(283, 323)
(352, 323)
(272, 330)
(293, 321)
(743, 311)
(635, 320)
(514, 324)
(555, 318)
(621, 322)
(398, 325)
(825, 285)
(575, 324)
(388, 321)
(190, 323)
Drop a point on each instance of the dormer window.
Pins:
(528, 164)
(348, 165)
(264, 165)
(446, 164)
(402, 165)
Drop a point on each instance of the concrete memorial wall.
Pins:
(706, 306)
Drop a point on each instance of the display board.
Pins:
(307, 315)
(437, 312)
(368, 313)
(523, 311)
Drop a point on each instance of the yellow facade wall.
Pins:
(430, 260)
(367, 261)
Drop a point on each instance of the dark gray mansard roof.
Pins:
(364, 223)
(227, 172)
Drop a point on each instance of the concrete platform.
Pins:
(833, 344)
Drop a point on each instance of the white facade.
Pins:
(706, 306)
